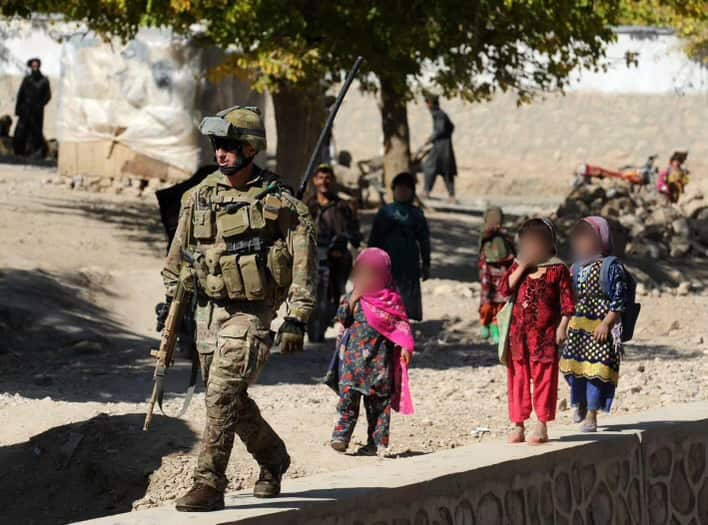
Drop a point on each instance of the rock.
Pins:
(679, 247)
(42, 380)
(681, 227)
(635, 389)
(641, 369)
(699, 340)
(641, 289)
(675, 325)
(563, 405)
(683, 288)
(86, 346)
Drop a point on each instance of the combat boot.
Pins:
(200, 498)
(268, 484)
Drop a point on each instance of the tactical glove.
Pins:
(291, 336)
(161, 311)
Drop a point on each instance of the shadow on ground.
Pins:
(137, 221)
(85, 470)
(55, 341)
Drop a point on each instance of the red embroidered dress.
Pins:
(539, 305)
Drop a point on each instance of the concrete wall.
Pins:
(647, 469)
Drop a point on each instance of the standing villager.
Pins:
(33, 95)
(373, 354)
(400, 229)
(496, 255)
(249, 245)
(441, 159)
(591, 358)
(542, 293)
(337, 228)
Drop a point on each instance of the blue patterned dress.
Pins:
(592, 368)
(365, 370)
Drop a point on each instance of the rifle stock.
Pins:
(168, 343)
(328, 125)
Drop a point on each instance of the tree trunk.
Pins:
(299, 117)
(394, 119)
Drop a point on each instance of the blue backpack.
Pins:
(632, 307)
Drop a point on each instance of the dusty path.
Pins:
(79, 276)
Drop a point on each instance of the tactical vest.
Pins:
(237, 247)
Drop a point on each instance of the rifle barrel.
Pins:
(328, 124)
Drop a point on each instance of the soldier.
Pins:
(246, 245)
(337, 227)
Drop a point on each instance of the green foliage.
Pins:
(465, 48)
(689, 18)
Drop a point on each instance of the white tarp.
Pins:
(141, 94)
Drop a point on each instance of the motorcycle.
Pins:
(636, 176)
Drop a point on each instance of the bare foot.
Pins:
(516, 435)
(539, 435)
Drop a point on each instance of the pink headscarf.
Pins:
(386, 313)
(602, 228)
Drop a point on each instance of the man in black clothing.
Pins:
(337, 226)
(441, 160)
(33, 95)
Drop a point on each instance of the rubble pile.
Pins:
(643, 223)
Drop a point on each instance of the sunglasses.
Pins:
(225, 143)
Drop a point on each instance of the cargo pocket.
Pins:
(253, 277)
(232, 277)
(280, 264)
(234, 360)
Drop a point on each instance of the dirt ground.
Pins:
(79, 278)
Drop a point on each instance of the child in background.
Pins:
(541, 288)
(375, 350)
(496, 254)
(591, 358)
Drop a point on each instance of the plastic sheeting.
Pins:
(141, 94)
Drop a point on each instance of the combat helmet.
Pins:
(241, 123)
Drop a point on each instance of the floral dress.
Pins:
(365, 370)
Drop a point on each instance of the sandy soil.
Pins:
(79, 277)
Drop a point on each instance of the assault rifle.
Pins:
(165, 354)
(328, 126)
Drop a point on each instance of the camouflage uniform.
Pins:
(240, 288)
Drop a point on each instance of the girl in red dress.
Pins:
(541, 288)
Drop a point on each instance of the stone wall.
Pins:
(649, 469)
(504, 148)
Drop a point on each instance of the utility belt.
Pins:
(246, 269)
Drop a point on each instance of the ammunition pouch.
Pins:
(280, 264)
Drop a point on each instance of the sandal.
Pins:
(580, 413)
(516, 436)
(339, 446)
(590, 422)
(539, 435)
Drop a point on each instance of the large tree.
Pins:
(295, 48)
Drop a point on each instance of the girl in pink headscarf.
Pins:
(374, 352)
